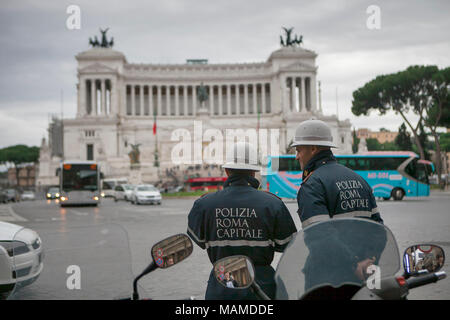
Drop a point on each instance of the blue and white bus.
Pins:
(79, 183)
(390, 174)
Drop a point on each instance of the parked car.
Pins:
(3, 197)
(123, 192)
(12, 195)
(53, 193)
(146, 194)
(27, 195)
(20, 257)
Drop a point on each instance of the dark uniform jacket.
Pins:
(241, 220)
(332, 190)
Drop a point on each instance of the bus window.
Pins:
(288, 164)
(348, 162)
(411, 168)
(421, 172)
(363, 164)
(107, 186)
(385, 163)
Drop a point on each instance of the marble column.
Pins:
(228, 99)
(158, 88)
(237, 91)
(151, 107)
(185, 101)
(219, 92)
(293, 87)
(303, 91)
(211, 100)
(93, 97)
(102, 97)
(194, 100)
(263, 98)
(246, 99)
(256, 107)
(177, 103)
(141, 101)
(133, 100)
(168, 104)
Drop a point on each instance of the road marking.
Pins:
(7, 214)
(78, 213)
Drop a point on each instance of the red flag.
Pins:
(154, 125)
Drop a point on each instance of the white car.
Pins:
(123, 192)
(20, 257)
(27, 195)
(146, 193)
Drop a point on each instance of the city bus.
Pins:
(206, 184)
(390, 174)
(79, 183)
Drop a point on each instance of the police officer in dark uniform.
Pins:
(241, 220)
(330, 190)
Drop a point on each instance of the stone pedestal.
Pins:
(135, 174)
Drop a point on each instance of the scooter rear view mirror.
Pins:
(172, 250)
(235, 272)
(421, 258)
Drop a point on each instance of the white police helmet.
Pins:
(313, 133)
(242, 156)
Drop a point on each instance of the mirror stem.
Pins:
(151, 267)
(258, 291)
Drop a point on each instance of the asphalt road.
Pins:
(111, 243)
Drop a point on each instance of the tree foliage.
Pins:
(19, 154)
(355, 142)
(403, 139)
(374, 145)
(445, 141)
(400, 92)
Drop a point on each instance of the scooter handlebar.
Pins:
(426, 279)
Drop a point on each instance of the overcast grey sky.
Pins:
(37, 50)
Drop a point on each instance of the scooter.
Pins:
(341, 259)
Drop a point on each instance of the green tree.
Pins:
(400, 92)
(445, 141)
(436, 100)
(17, 155)
(355, 143)
(374, 145)
(423, 138)
(403, 139)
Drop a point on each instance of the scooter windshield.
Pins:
(77, 263)
(338, 253)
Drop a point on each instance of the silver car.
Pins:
(27, 195)
(20, 257)
(123, 192)
(146, 194)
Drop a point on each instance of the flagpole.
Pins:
(155, 133)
